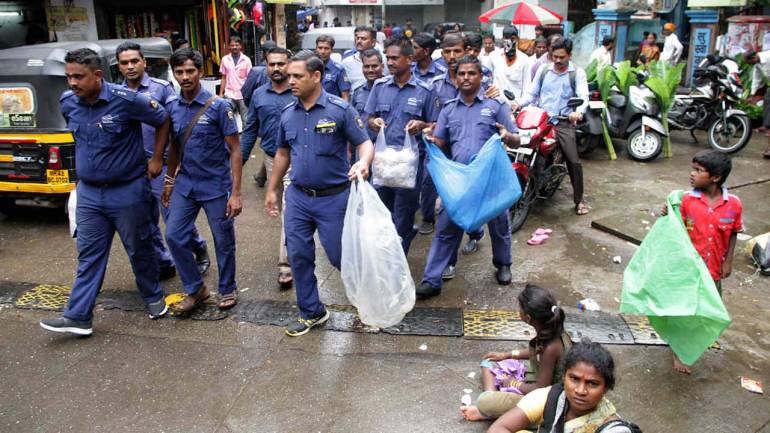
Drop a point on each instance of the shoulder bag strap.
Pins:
(186, 136)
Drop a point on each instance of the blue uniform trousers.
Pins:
(403, 204)
(179, 235)
(164, 257)
(447, 240)
(102, 210)
(302, 216)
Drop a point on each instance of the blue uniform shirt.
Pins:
(358, 97)
(317, 139)
(257, 78)
(264, 115)
(108, 134)
(398, 105)
(434, 69)
(205, 171)
(161, 91)
(335, 79)
(465, 128)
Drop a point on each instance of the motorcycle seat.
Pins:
(617, 101)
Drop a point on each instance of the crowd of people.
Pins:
(315, 121)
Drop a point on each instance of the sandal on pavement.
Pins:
(581, 208)
(537, 239)
(227, 301)
(542, 231)
(190, 302)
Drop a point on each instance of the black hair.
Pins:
(325, 38)
(84, 56)
(426, 41)
(182, 55)
(593, 354)
(371, 52)
(488, 36)
(312, 62)
(716, 164)
(654, 35)
(128, 46)
(404, 45)
(452, 39)
(278, 50)
(368, 29)
(235, 39)
(645, 34)
(562, 43)
(540, 305)
(541, 40)
(469, 60)
(541, 28)
(179, 42)
(473, 40)
(267, 45)
(510, 31)
(608, 40)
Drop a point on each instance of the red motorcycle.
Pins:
(538, 161)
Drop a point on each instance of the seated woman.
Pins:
(576, 405)
(650, 51)
(503, 374)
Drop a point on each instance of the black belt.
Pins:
(110, 184)
(324, 192)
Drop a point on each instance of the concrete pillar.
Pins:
(280, 25)
(703, 33)
(613, 23)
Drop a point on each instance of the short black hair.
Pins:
(473, 40)
(235, 39)
(488, 36)
(368, 29)
(593, 354)
(312, 62)
(426, 41)
(404, 45)
(608, 40)
(278, 50)
(182, 55)
(86, 57)
(469, 60)
(562, 43)
(541, 40)
(179, 42)
(716, 164)
(325, 38)
(510, 31)
(452, 39)
(128, 46)
(371, 52)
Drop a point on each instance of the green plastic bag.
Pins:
(667, 281)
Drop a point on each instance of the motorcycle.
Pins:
(710, 107)
(588, 131)
(636, 119)
(538, 161)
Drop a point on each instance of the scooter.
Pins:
(538, 161)
(636, 119)
(588, 131)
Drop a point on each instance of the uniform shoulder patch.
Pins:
(336, 100)
(360, 122)
(154, 104)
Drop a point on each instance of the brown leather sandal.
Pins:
(190, 302)
(227, 301)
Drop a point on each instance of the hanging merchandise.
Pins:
(214, 20)
(256, 12)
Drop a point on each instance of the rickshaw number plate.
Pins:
(57, 177)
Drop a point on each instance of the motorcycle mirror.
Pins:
(574, 102)
(641, 76)
(509, 95)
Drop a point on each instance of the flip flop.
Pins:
(542, 231)
(537, 239)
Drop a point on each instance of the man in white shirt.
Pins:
(603, 54)
(510, 68)
(672, 48)
(365, 38)
(489, 50)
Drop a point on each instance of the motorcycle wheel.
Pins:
(644, 150)
(730, 135)
(520, 210)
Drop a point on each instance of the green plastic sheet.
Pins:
(667, 281)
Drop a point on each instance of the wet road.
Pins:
(171, 375)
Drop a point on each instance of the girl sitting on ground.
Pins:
(575, 405)
(504, 376)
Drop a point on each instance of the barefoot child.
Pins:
(712, 218)
(503, 374)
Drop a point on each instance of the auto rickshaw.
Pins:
(37, 151)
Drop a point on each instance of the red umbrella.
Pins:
(521, 13)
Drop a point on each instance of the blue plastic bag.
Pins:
(474, 194)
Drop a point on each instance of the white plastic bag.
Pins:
(72, 210)
(374, 268)
(393, 167)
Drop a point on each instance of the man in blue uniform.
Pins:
(132, 66)
(204, 166)
(257, 78)
(264, 117)
(474, 118)
(313, 137)
(472, 44)
(335, 80)
(113, 193)
(373, 69)
(423, 67)
(401, 104)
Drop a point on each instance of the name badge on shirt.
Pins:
(412, 101)
(203, 120)
(109, 119)
(326, 126)
(486, 112)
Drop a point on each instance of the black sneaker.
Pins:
(63, 324)
(302, 326)
(504, 275)
(426, 227)
(167, 273)
(202, 260)
(157, 309)
(449, 273)
(425, 291)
